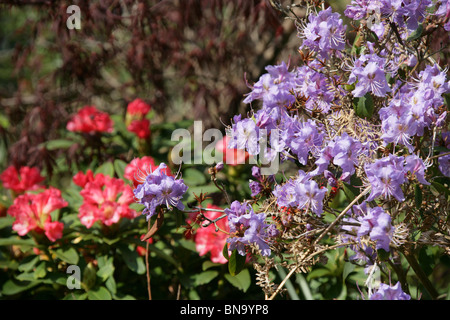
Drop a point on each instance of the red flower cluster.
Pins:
(32, 213)
(137, 123)
(207, 239)
(140, 167)
(23, 180)
(106, 199)
(90, 120)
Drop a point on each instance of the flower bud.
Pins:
(219, 166)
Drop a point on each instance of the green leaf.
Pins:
(426, 260)
(40, 270)
(6, 221)
(69, 255)
(26, 277)
(447, 100)
(132, 259)
(17, 241)
(58, 144)
(383, 255)
(364, 106)
(124, 297)
(418, 196)
(318, 273)
(4, 122)
(106, 271)
(111, 285)
(236, 263)
(348, 268)
(441, 189)
(209, 264)
(12, 286)
(350, 191)
(100, 293)
(119, 167)
(193, 177)
(28, 263)
(242, 281)
(89, 276)
(416, 33)
(106, 168)
(74, 295)
(225, 251)
(205, 277)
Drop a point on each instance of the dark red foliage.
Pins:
(186, 50)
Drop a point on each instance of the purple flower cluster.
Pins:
(406, 14)
(315, 86)
(377, 224)
(344, 150)
(302, 137)
(415, 107)
(160, 189)
(248, 227)
(372, 222)
(443, 11)
(369, 75)
(257, 186)
(387, 292)
(386, 175)
(302, 193)
(244, 135)
(274, 87)
(274, 132)
(444, 165)
(324, 33)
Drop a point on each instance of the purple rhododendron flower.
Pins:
(346, 151)
(324, 33)
(160, 189)
(274, 88)
(386, 175)
(387, 292)
(305, 137)
(371, 77)
(248, 227)
(314, 85)
(255, 188)
(244, 135)
(310, 196)
(404, 13)
(416, 167)
(377, 224)
(444, 165)
(415, 107)
(400, 130)
(301, 193)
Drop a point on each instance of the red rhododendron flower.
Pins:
(140, 167)
(32, 213)
(207, 239)
(138, 107)
(106, 199)
(141, 128)
(231, 157)
(20, 181)
(80, 179)
(90, 120)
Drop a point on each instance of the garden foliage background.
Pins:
(183, 60)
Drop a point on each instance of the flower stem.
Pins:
(147, 267)
(409, 255)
